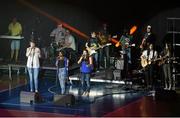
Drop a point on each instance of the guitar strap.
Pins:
(153, 55)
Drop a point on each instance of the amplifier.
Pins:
(30, 97)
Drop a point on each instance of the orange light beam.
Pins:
(53, 18)
(133, 29)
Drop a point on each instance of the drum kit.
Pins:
(119, 61)
(54, 48)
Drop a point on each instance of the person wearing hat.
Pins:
(33, 64)
(148, 38)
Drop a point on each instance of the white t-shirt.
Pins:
(59, 34)
(151, 55)
(33, 56)
(70, 39)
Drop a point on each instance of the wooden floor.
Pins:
(105, 100)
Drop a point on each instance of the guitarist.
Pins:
(104, 39)
(166, 54)
(149, 55)
(93, 44)
(125, 41)
(148, 38)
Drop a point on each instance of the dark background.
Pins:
(87, 16)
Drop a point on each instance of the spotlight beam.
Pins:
(53, 18)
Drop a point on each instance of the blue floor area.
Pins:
(103, 98)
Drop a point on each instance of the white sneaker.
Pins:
(36, 91)
(170, 87)
(165, 88)
(87, 94)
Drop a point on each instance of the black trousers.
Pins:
(149, 76)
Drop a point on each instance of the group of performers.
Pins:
(92, 58)
(152, 60)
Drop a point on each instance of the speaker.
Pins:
(161, 94)
(64, 100)
(30, 97)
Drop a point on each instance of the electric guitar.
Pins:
(92, 50)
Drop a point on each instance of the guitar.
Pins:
(92, 51)
(128, 45)
(145, 62)
(165, 59)
(144, 42)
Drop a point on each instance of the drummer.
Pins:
(58, 35)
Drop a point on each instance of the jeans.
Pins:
(167, 74)
(85, 77)
(127, 51)
(62, 78)
(33, 75)
(149, 76)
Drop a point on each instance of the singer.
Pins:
(86, 62)
(33, 54)
(62, 64)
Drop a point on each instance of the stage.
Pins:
(10, 99)
(107, 97)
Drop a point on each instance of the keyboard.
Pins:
(11, 37)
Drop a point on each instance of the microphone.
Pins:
(83, 55)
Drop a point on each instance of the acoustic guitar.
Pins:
(145, 62)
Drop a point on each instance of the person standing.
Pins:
(149, 55)
(62, 64)
(165, 55)
(92, 46)
(149, 38)
(104, 39)
(126, 40)
(33, 64)
(15, 29)
(104, 51)
(86, 62)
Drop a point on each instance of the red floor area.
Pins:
(146, 107)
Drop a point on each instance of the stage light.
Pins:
(133, 29)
